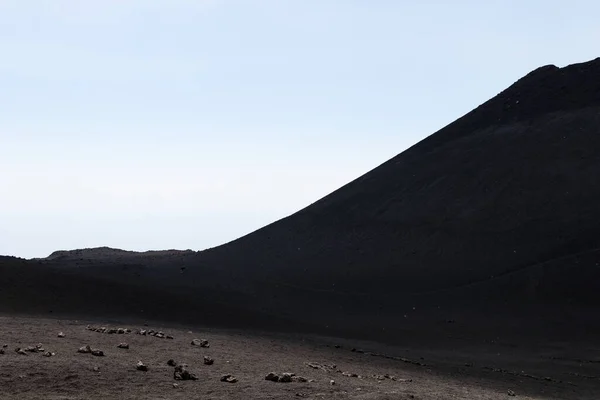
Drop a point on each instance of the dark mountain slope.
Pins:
(509, 185)
(495, 214)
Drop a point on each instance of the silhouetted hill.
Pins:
(510, 185)
(108, 253)
(496, 213)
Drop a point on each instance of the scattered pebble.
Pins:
(141, 367)
(272, 376)
(229, 378)
(97, 353)
(200, 342)
(208, 360)
(171, 363)
(123, 346)
(61, 335)
(182, 374)
(511, 393)
(21, 351)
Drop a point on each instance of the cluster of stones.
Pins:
(285, 377)
(334, 368)
(88, 350)
(152, 332)
(110, 331)
(181, 372)
(38, 348)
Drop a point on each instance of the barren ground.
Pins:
(555, 371)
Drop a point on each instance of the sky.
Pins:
(159, 124)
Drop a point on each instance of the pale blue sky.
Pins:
(152, 124)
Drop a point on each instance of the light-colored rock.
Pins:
(228, 378)
(141, 367)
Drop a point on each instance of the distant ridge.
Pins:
(109, 252)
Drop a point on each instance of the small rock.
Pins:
(350, 374)
(511, 393)
(208, 361)
(127, 330)
(332, 382)
(182, 374)
(169, 337)
(229, 378)
(300, 379)
(120, 331)
(141, 367)
(311, 380)
(160, 335)
(21, 351)
(123, 346)
(48, 354)
(175, 385)
(1, 351)
(95, 369)
(285, 377)
(272, 376)
(61, 335)
(200, 342)
(85, 349)
(171, 363)
(97, 353)
(112, 331)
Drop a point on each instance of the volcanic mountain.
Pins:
(497, 212)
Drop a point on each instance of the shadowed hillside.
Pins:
(497, 211)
